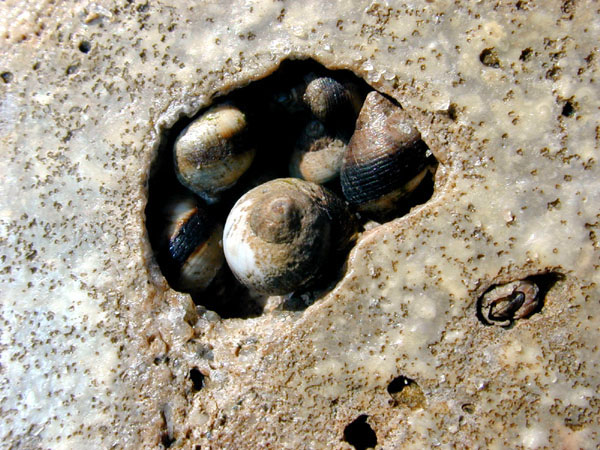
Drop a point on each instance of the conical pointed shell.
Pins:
(281, 236)
(213, 152)
(386, 158)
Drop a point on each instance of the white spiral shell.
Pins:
(281, 236)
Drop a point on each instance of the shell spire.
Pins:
(386, 158)
(282, 236)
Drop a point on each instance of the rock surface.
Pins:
(98, 352)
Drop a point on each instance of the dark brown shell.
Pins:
(386, 158)
(193, 245)
(331, 102)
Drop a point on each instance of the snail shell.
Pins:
(332, 102)
(213, 152)
(318, 155)
(386, 158)
(193, 246)
(505, 303)
(282, 236)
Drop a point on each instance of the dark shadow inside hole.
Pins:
(359, 434)
(85, 47)
(7, 77)
(406, 392)
(568, 109)
(545, 282)
(452, 111)
(469, 408)
(526, 54)
(489, 58)
(167, 440)
(197, 379)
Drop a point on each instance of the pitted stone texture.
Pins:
(97, 351)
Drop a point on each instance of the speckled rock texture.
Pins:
(98, 352)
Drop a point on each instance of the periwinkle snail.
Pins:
(283, 235)
(213, 152)
(386, 158)
(318, 155)
(332, 102)
(504, 304)
(192, 243)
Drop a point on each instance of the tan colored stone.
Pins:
(96, 350)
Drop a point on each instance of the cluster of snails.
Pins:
(355, 153)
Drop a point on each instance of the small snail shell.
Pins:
(318, 155)
(386, 158)
(331, 102)
(505, 303)
(193, 246)
(213, 152)
(282, 236)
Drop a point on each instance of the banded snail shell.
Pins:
(194, 245)
(332, 102)
(282, 236)
(386, 158)
(213, 152)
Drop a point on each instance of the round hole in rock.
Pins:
(489, 57)
(302, 121)
(469, 408)
(568, 109)
(359, 434)
(85, 47)
(197, 379)
(506, 304)
(406, 392)
(7, 77)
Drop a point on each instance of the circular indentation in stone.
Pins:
(469, 408)
(84, 46)
(359, 434)
(72, 69)
(505, 304)
(568, 109)
(7, 77)
(488, 57)
(197, 379)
